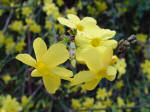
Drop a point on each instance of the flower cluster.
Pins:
(82, 56)
(94, 49)
(9, 104)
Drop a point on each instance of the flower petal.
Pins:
(96, 58)
(89, 20)
(73, 18)
(82, 40)
(95, 31)
(92, 30)
(51, 83)
(56, 54)
(62, 73)
(110, 43)
(26, 59)
(36, 73)
(79, 57)
(91, 84)
(111, 73)
(83, 76)
(40, 48)
(107, 34)
(66, 22)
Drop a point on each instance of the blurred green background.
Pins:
(21, 21)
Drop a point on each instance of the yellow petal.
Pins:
(35, 73)
(73, 18)
(91, 84)
(79, 57)
(62, 73)
(51, 83)
(111, 73)
(83, 76)
(66, 22)
(96, 58)
(26, 59)
(82, 40)
(106, 55)
(91, 58)
(40, 48)
(107, 34)
(89, 20)
(92, 30)
(56, 54)
(95, 31)
(110, 43)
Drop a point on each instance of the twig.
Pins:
(7, 21)
(29, 41)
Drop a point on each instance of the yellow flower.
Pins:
(107, 102)
(48, 1)
(35, 28)
(16, 26)
(60, 28)
(120, 102)
(97, 39)
(29, 21)
(27, 11)
(76, 104)
(46, 64)
(141, 37)
(6, 78)
(121, 67)
(88, 103)
(119, 84)
(48, 25)
(92, 10)
(101, 93)
(11, 105)
(20, 46)
(60, 2)
(71, 11)
(146, 68)
(26, 102)
(96, 72)
(9, 45)
(102, 6)
(74, 22)
(51, 9)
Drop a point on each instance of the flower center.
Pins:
(79, 27)
(43, 68)
(95, 42)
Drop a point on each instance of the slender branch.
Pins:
(29, 41)
(8, 20)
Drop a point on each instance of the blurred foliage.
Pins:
(24, 20)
